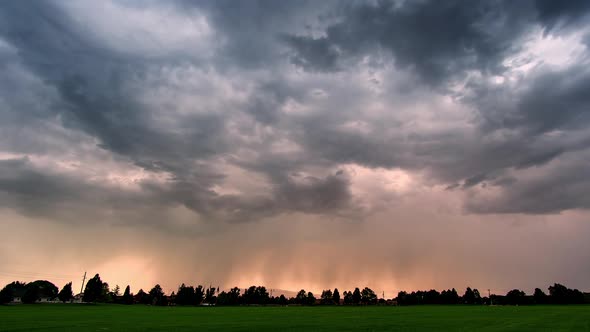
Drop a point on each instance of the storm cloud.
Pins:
(210, 119)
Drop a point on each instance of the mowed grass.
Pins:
(71, 317)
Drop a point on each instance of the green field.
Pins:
(57, 317)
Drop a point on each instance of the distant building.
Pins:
(77, 298)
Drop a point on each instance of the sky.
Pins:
(400, 145)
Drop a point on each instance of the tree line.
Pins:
(558, 294)
(98, 291)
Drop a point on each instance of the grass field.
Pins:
(56, 317)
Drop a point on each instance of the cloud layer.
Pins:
(199, 119)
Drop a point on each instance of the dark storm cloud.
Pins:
(551, 100)
(563, 186)
(249, 30)
(313, 54)
(37, 192)
(438, 40)
(540, 121)
(269, 96)
(90, 78)
(291, 194)
(441, 42)
(94, 90)
(532, 121)
(34, 192)
(560, 14)
(316, 194)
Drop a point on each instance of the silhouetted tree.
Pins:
(310, 298)
(46, 289)
(157, 296)
(449, 296)
(356, 296)
(471, 296)
(232, 297)
(210, 295)
(171, 298)
(477, 296)
(263, 294)
(12, 290)
(6, 294)
(515, 297)
(199, 295)
(93, 290)
(66, 293)
(185, 295)
(142, 297)
(116, 291)
(336, 296)
(223, 298)
(256, 295)
(301, 297)
(347, 297)
(105, 294)
(368, 296)
(539, 296)
(283, 300)
(115, 294)
(327, 297)
(576, 296)
(403, 298)
(32, 294)
(127, 296)
(559, 294)
(432, 297)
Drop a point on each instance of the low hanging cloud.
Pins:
(216, 118)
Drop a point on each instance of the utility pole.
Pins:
(83, 280)
(490, 296)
